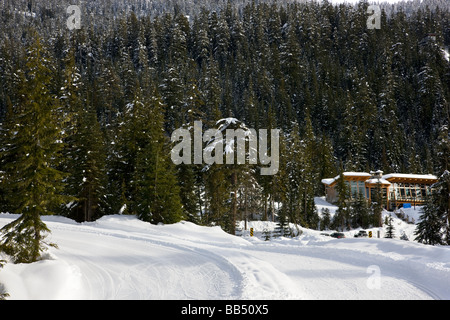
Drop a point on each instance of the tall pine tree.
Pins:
(33, 148)
(155, 194)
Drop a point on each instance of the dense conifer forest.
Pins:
(87, 114)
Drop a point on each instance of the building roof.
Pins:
(363, 175)
(376, 180)
(409, 176)
(386, 179)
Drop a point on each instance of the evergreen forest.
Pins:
(87, 113)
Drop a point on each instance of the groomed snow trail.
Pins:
(131, 262)
(120, 257)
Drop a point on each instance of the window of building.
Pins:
(361, 187)
(423, 191)
(354, 188)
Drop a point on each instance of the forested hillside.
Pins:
(92, 109)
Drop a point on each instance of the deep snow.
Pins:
(121, 257)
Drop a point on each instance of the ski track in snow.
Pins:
(143, 266)
(327, 273)
(120, 257)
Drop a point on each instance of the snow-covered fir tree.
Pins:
(390, 229)
(30, 157)
(433, 227)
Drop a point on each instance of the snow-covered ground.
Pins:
(121, 257)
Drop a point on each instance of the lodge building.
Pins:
(397, 189)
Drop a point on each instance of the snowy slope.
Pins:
(120, 257)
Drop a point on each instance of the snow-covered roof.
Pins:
(384, 179)
(376, 180)
(328, 181)
(409, 176)
(356, 174)
(346, 174)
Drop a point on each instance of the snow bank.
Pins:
(182, 231)
(121, 257)
(321, 204)
(46, 279)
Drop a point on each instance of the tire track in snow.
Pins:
(400, 275)
(160, 269)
